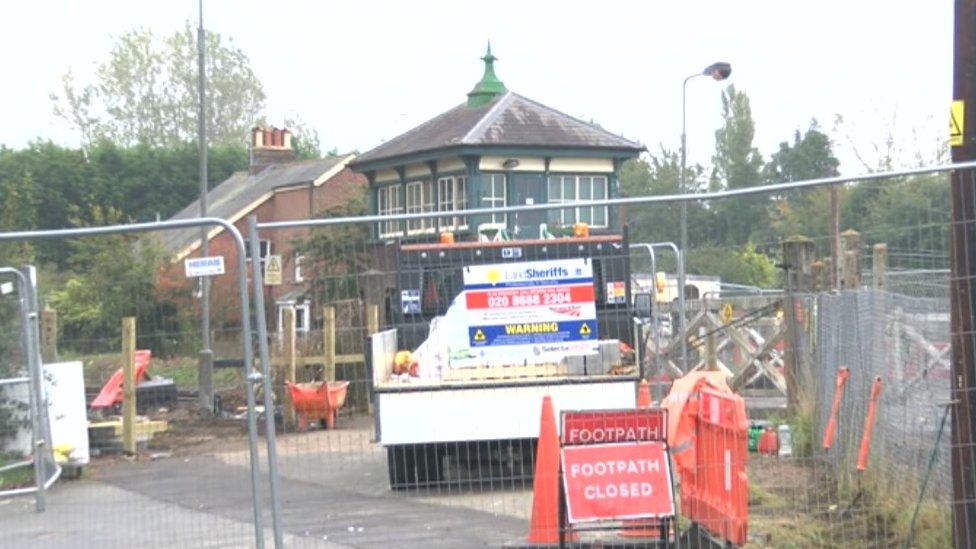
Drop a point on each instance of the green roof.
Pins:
(490, 86)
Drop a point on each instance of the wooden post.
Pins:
(129, 385)
(711, 354)
(852, 270)
(879, 264)
(798, 257)
(49, 335)
(816, 276)
(829, 273)
(372, 319)
(288, 319)
(372, 327)
(851, 266)
(834, 221)
(329, 342)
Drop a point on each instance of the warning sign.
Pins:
(272, 270)
(727, 313)
(957, 115)
(533, 303)
(627, 480)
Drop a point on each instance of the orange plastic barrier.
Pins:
(111, 392)
(842, 374)
(715, 493)
(862, 454)
(317, 401)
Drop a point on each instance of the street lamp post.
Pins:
(718, 71)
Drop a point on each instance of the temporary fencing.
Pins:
(446, 457)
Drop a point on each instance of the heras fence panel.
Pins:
(143, 462)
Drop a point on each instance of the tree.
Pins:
(146, 92)
(655, 176)
(336, 256)
(737, 164)
(803, 212)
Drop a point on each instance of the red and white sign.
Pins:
(630, 480)
(609, 426)
(528, 297)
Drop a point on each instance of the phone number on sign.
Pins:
(528, 300)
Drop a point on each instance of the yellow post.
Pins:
(129, 385)
(372, 319)
(288, 318)
(329, 342)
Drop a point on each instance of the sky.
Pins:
(364, 71)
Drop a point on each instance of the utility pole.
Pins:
(205, 365)
(963, 281)
(834, 275)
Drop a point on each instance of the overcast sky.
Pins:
(364, 71)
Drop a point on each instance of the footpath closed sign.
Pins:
(629, 480)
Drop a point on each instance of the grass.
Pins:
(182, 370)
(15, 478)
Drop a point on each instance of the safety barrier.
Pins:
(715, 493)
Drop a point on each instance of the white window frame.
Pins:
(303, 316)
(299, 276)
(264, 249)
(569, 216)
(491, 199)
(388, 203)
(452, 195)
(420, 199)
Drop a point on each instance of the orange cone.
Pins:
(644, 395)
(641, 528)
(544, 527)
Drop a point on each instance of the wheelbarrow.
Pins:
(317, 401)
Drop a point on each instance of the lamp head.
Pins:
(719, 71)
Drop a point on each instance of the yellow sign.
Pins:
(272, 270)
(957, 115)
(532, 328)
(479, 335)
(584, 329)
(727, 313)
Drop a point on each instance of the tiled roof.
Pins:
(508, 120)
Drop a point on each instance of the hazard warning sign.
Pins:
(272, 270)
(585, 329)
(479, 335)
(957, 114)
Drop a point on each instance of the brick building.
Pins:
(276, 187)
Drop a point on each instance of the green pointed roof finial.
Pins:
(490, 86)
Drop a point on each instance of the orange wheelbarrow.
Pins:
(317, 401)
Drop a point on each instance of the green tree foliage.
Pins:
(658, 175)
(737, 164)
(809, 156)
(337, 256)
(146, 92)
(47, 186)
(737, 266)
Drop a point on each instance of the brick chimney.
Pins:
(270, 146)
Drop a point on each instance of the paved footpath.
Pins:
(200, 501)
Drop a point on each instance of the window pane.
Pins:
(599, 188)
(569, 188)
(554, 187)
(585, 187)
(600, 217)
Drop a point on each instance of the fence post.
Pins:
(372, 327)
(129, 384)
(49, 335)
(851, 266)
(710, 352)
(816, 276)
(329, 342)
(879, 264)
(797, 257)
(288, 319)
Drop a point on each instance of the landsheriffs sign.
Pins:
(547, 306)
